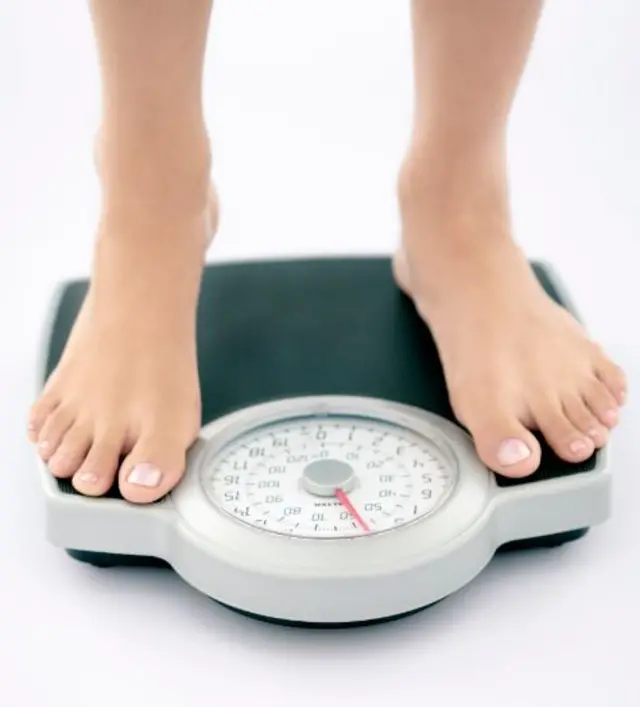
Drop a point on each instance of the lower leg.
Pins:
(126, 386)
(151, 56)
(513, 360)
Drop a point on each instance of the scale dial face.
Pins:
(328, 476)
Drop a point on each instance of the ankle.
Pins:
(450, 196)
(446, 172)
(455, 213)
(163, 170)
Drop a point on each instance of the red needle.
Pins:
(344, 500)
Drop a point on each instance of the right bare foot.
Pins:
(125, 399)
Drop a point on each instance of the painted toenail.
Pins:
(513, 451)
(88, 477)
(145, 475)
(579, 446)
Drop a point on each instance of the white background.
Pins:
(309, 106)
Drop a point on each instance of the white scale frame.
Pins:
(331, 581)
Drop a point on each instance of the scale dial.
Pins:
(329, 476)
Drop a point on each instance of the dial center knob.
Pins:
(325, 476)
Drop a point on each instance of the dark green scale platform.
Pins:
(276, 329)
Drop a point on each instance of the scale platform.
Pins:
(325, 340)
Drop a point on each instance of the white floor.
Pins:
(309, 106)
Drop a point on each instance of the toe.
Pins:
(96, 474)
(71, 452)
(503, 443)
(39, 413)
(567, 441)
(53, 431)
(613, 377)
(400, 271)
(601, 402)
(579, 414)
(153, 468)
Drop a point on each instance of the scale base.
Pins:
(323, 326)
(106, 560)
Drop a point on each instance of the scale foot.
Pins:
(285, 623)
(547, 541)
(105, 560)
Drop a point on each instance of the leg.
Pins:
(125, 396)
(514, 361)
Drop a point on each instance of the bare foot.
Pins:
(513, 359)
(124, 399)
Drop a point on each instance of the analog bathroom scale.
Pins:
(331, 484)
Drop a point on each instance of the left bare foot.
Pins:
(513, 359)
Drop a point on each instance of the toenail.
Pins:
(44, 445)
(145, 475)
(88, 477)
(611, 416)
(594, 433)
(513, 451)
(579, 446)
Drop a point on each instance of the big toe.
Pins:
(154, 467)
(502, 442)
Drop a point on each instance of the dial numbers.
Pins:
(271, 478)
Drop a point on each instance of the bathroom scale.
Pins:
(331, 483)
